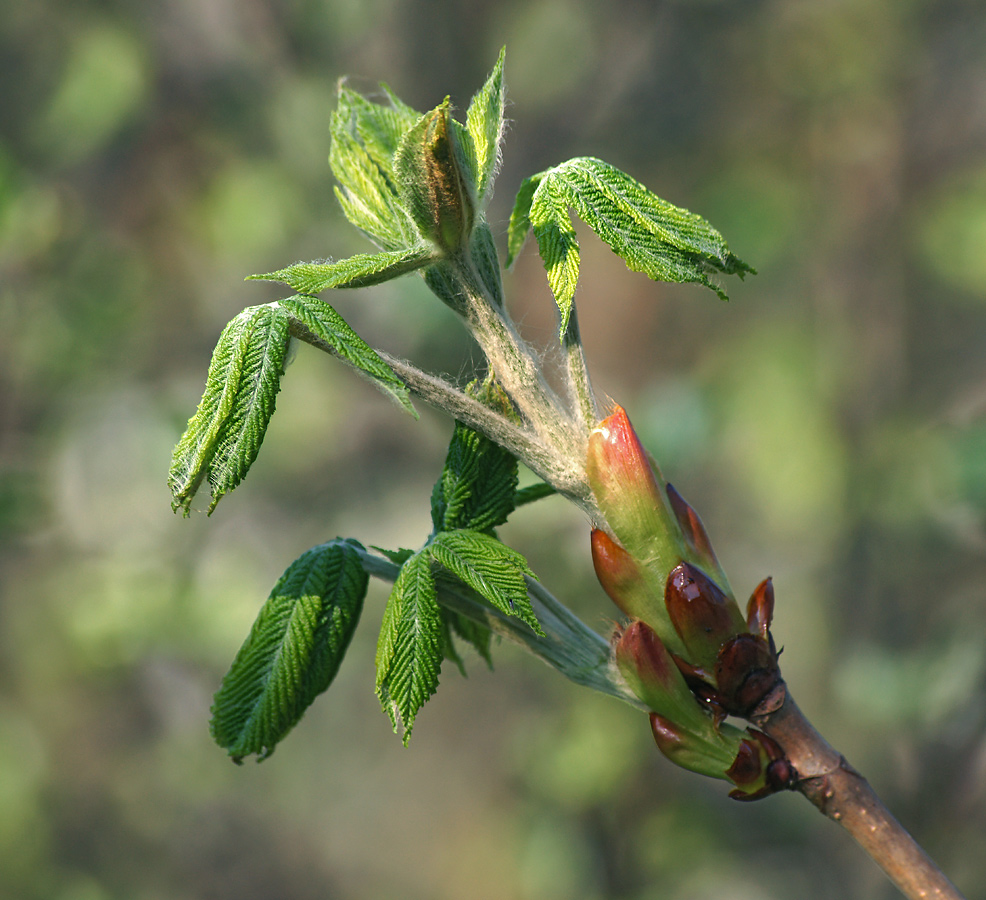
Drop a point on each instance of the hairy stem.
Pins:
(842, 794)
(517, 369)
(562, 472)
(579, 384)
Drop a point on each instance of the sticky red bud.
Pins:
(628, 490)
(760, 609)
(633, 588)
(760, 768)
(652, 674)
(748, 767)
(617, 571)
(642, 658)
(701, 613)
(667, 735)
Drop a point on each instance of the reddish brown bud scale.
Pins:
(702, 685)
(667, 736)
(691, 526)
(760, 609)
(748, 766)
(616, 570)
(640, 646)
(701, 613)
(746, 672)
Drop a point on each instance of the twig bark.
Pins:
(843, 795)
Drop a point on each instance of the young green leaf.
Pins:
(224, 436)
(482, 248)
(479, 479)
(379, 127)
(411, 645)
(520, 217)
(293, 651)
(484, 121)
(449, 650)
(557, 244)
(397, 557)
(532, 493)
(323, 325)
(477, 485)
(368, 193)
(491, 568)
(652, 236)
(361, 270)
(478, 636)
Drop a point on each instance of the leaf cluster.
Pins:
(223, 437)
(417, 186)
(650, 235)
(475, 492)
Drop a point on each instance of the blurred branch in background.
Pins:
(829, 423)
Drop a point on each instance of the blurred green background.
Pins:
(829, 424)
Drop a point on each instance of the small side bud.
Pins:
(760, 768)
(693, 530)
(701, 613)
(634, 589)
(746, 672)
(760, 609)
(629, 492)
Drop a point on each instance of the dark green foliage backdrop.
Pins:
(829, 423)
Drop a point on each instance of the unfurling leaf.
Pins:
(361, 270)
(478, 483)
(484, 121)
(492, 569)
(652, 236)
(323, 326)
(474, 633)
(224, 436)
(436, 173)
(411, 645)
(365, 136)
(293, 651)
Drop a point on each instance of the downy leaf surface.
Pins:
(477, 486)
(224, 436)
(652, 236)
(321, 323)
(488, 566)
(293, 651)
(364, 139)
(484, 121)
(361, 270)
